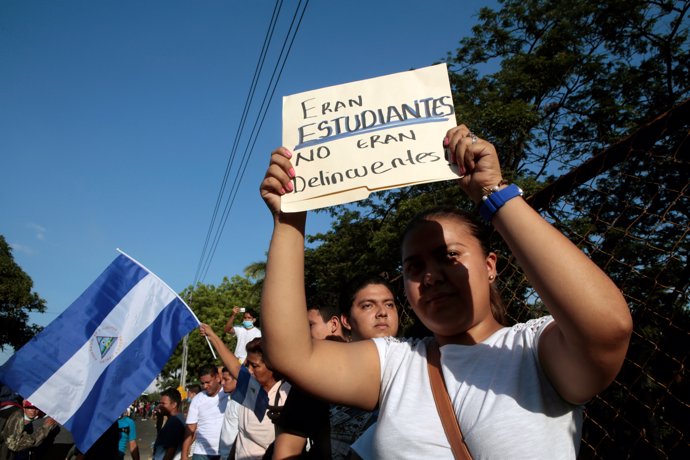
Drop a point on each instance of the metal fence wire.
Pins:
(628, 208)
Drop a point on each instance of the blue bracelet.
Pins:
(494, 201)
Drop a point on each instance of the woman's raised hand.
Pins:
(205, 330)
(477, 161)
(278, 179)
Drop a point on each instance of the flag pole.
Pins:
(185, 351)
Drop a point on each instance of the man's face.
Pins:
(31, 412)
(167, 406)
(210, 384)
(257, 367)
(318, 328)
(373, 313)
(229, 382)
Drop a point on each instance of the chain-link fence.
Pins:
(628, 208)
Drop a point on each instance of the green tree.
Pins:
(212, 305)
(255, 273)
(572, 78)
(575, 76)
(16, 301)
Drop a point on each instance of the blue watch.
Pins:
(494, 201)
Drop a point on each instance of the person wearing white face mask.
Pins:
(245, 333)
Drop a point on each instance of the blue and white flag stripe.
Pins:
(72, 378)
(69, 329)
(90, 363)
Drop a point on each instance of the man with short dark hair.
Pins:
(205, 417)
(324, 321)
(169, 439)
(305, 420)
(228, 434)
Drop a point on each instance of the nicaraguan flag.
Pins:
(101, 353)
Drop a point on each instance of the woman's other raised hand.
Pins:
(278, 179)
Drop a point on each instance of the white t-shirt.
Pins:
(506, 406)
(207, 412)
(244, 336)
(228, 433)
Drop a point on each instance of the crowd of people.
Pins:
(27, 433)
(337, 381)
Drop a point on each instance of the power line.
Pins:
(208, 252)
(265, 104)
(247, 103)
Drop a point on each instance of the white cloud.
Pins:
(23, 249)
(39, 231)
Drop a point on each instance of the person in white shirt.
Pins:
(516, 391)
(245, 332)
(205, 417)
(228, 434)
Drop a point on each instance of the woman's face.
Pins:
(373, 313)
(446, 277)
(257, 367)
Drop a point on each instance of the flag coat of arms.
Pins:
(88, 365)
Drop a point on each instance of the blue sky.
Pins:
(117, 119)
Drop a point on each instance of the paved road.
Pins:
(146, 434)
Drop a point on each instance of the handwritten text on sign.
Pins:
(376, 134)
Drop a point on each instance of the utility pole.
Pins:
(185, 353)
(183, 371)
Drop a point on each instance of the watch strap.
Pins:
(493, 202)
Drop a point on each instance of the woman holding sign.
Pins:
(516, 391)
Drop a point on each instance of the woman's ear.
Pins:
(491, 261)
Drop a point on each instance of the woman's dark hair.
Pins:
(254, 346)
(350, 290)
(479, 231)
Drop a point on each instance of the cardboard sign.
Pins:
(350, 140)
